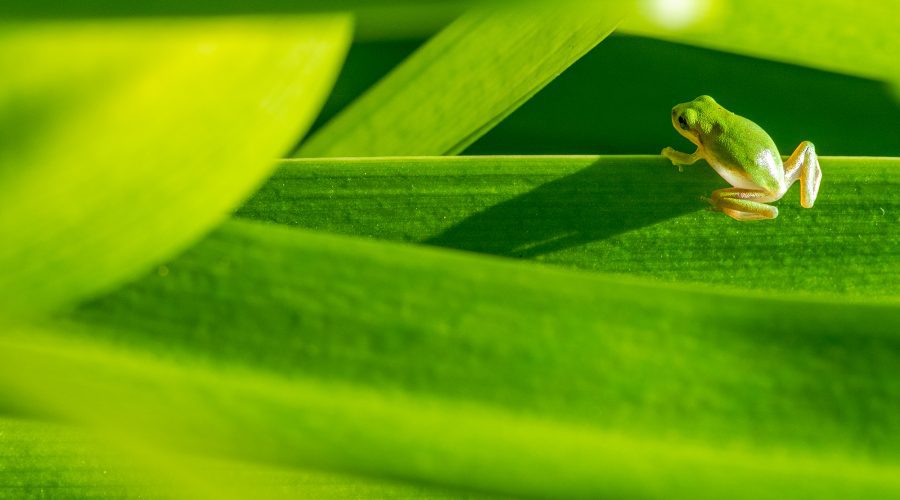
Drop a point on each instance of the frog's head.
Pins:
(697, 119)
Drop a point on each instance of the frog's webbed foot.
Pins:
(804, 165)
(680, 159)
(743, 204)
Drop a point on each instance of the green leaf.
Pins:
(466, 79)
(125, 141)
(622, 214)
(376, 19)
(477, 372)
(41, 459)
(858, 38)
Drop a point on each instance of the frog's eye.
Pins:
(682, 122)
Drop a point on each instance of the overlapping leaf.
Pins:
(522, 380)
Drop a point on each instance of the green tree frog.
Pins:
(745, 156)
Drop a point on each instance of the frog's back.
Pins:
(743, 153)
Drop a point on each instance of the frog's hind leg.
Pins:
(744, 204)
(803, 165)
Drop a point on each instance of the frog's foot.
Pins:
(804, 165)
(680, 159)
(744, 204)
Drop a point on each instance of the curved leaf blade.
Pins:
(139, 136)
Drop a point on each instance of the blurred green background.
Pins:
(616, 98)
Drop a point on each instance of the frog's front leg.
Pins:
(744, 204)
(804, 165)
(680, 159)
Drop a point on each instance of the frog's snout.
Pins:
(675, 114)
(675, 117)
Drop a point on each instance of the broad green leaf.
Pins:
(622, 214)
(304, 348)
(858, 38)
(125, 141)
(466, 79)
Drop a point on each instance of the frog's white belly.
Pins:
(733, 177)
(739, 179)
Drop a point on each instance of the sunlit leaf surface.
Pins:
(628, 214)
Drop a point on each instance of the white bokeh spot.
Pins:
(675, 14)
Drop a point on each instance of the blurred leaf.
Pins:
(67, 9)
(41, 459)
(471, 371)
(124, 141)
(38, 459)
(857, 38)
(466, 79)
(376, 19)
(623, 214)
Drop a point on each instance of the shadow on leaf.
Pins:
(595, 203)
